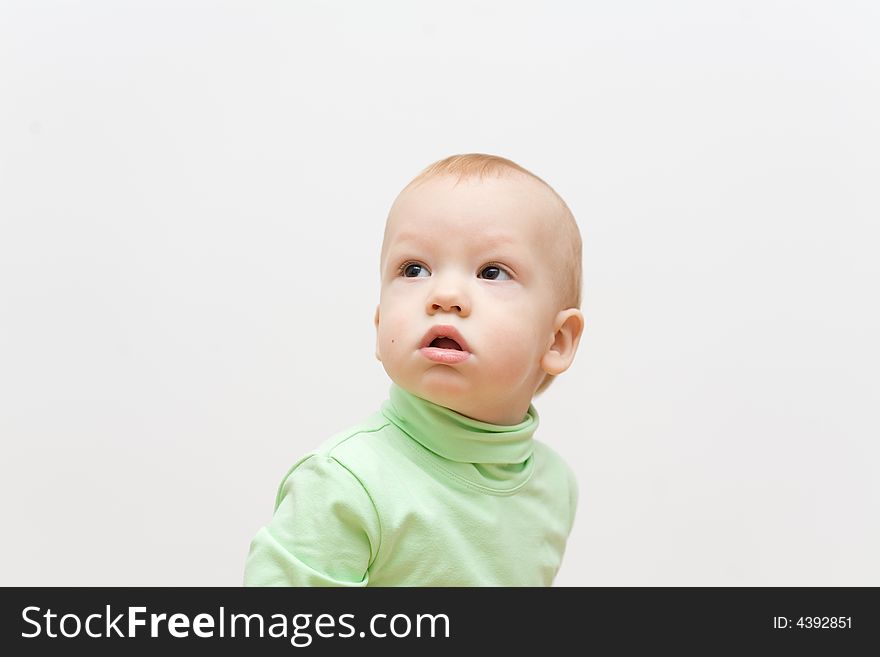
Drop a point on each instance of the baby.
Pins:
(446, 485)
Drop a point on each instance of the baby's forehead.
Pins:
(474, 235)
(469, 233)
(510, 204)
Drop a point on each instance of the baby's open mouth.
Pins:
(445, 343)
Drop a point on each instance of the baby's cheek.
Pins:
(515, 351)
(392, 332)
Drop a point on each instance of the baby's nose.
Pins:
(448, 299)
(447, 307)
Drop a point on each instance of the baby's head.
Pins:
(480, 287)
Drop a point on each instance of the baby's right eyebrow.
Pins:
(414, 238)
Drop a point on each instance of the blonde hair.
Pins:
(482, 165)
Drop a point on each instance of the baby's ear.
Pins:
(568, 327)
(376, 324)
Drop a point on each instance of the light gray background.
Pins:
(192, 196)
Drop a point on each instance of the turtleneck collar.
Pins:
(457, 437)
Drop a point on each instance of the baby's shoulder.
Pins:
(547, 455)
(552, 467)
(343, 455)
(552, 462)
(364, 442)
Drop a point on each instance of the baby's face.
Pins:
(479, 257)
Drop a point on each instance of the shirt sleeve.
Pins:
(324, 532)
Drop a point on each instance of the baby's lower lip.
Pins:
(448, 356)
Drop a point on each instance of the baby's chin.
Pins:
(440, 385)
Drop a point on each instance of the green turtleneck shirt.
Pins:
(419, 495)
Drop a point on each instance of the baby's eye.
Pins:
(495, 273)
(414, 270)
